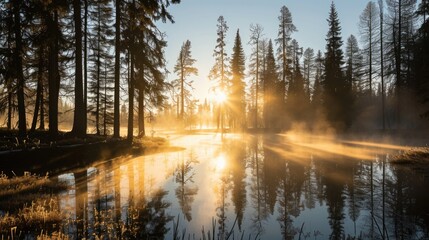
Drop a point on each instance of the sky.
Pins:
(196, 20)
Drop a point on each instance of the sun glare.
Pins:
(219, 97)
(220, 163)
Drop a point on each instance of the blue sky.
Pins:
(196, 20)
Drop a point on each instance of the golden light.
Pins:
(220, 163)
(220, 97)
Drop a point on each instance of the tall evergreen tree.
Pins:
(286, 28)
(308, 68)
(55, 39)
(116, 114)
(7, 96)
(337, 90)
(421, 63)
(219, 71)
(269, 84)
(317, 95)
(18, 53)
(79, 127)
(298, 100)
(184, 68)
(255, 68)
(99, 37)
(237, 100)
(353, 64)
(146, 46)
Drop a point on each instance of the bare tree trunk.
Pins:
(39, 91)
(380, 2)
(142, 132)
(131, 100)
(85, 64)
(22, 122)
(53, 74)
(42, 109)
(79, 129)
(116, 116)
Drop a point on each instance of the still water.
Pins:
(250, 187)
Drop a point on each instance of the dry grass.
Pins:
(150, 142)
(17, 191)
(415, 159)
(418, 155)
(29, 202)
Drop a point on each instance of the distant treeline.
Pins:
(93, 54)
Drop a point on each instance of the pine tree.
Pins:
(298, 100)
(269, 85)
(184, 68)
(354, 64)
(99, 38)
(421, 63)
(308, 69)
(7, 96)
(286, 28)
(79, 127)
(18, 53)
(116, 100)
(237, 98)
(255, 68)
(337, 91)
(219, 71)
(146, 47)
(317, 94)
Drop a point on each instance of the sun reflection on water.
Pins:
(220, 163)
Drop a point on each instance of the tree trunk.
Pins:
(85, 64)
(79, 128)
(382, 66)
(142, 132)
(42, 109)
(39, 91)
(98, 79)
(22, 123)
(182, 92)
(131, 100)
(53, 73)
(116, 116)
(9, 105)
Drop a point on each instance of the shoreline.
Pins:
(57, 159)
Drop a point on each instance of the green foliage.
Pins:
(219, 71)
(184, 68)
(337, 96)
(270, 89)
(237, 100)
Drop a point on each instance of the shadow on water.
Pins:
(245, 186)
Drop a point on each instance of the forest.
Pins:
(97, 65)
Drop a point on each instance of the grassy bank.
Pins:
(415, 158)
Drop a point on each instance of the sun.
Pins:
(219, 96)
(220, 163)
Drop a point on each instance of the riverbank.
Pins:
(36, 153)
(416, 159)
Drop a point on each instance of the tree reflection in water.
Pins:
(184, 176)
(257, 186)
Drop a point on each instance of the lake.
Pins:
(284, 186)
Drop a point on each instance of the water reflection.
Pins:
(257, 187)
